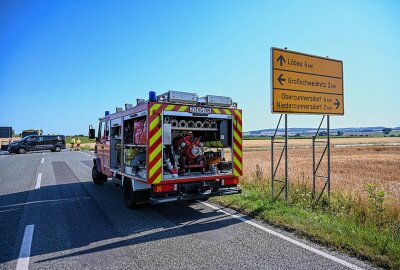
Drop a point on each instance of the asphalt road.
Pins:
(52, 216)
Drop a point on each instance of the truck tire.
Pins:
(21, 150)
(57, 148)
(129, 196)
(98, 177)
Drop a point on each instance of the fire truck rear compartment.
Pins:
(195, 146)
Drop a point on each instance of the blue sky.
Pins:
(63, 63)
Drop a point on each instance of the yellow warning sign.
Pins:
(303, 83)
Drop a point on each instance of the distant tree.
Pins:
(340, 133)
(386, 131)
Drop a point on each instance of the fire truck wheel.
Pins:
(98, 178)
(129, 196)
(22, 151)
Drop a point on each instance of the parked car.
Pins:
(53, 143)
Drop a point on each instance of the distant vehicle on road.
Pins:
(29, 132)
(53, 143)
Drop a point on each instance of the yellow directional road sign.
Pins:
(303, 83)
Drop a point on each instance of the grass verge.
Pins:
(345, 224)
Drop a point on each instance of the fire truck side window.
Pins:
(100, 135)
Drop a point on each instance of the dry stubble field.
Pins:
(352, 166)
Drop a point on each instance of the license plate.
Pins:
(199, 110)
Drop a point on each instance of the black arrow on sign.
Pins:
(280, 79)
(281, 59)
(337, 103)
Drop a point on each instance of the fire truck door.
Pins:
(100, 143)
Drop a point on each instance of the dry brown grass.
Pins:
(352, 168)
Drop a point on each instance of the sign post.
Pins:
(305, 84)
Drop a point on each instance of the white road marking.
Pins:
(43, 153)
(25, 251)
(284, 237)
(9, 210)
(86, 154)
(42, 160)
(38, 180)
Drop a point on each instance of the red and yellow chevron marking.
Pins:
(237, 146)
(154, 145)
(155, 138)
(235, 112)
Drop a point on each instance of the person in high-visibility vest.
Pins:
(78, 144)
(72, 144)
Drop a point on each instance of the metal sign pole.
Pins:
(329, 158)
(274, 168)
(286, 160)
(313, 167)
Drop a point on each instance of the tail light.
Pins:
(229, 182)
(165, 188)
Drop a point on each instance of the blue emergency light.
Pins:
(152, 96)
(106, 113)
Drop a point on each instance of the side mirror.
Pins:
(92, 132)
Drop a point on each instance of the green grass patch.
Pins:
(345, 224)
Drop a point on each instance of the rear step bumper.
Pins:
(191, 197)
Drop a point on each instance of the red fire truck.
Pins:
(175, 146)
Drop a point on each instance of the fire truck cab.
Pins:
(172, 147)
